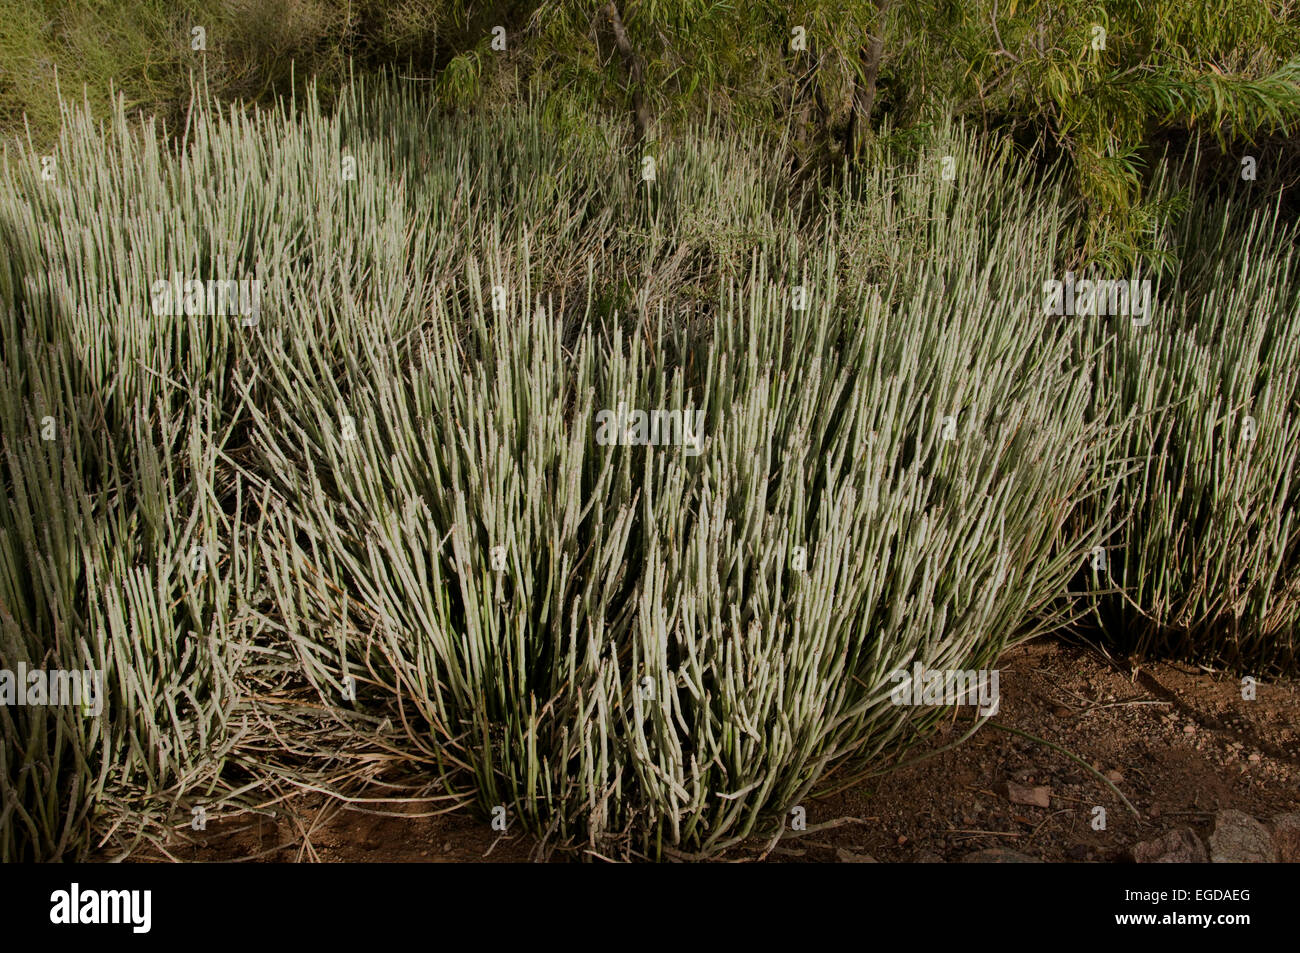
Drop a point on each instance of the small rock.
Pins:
(1114, 777)
(1154, 812)
(1179, 846)
(1034, 797)
(928, 857)
(1253, 757)
(1286, 835)
(1240, 839)
(848, 857)
(1189, 729)
(998, 855)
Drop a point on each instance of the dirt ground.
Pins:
(1178, 743)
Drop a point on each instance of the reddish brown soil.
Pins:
(1182, 743)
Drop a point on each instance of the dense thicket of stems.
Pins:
(390, 481)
